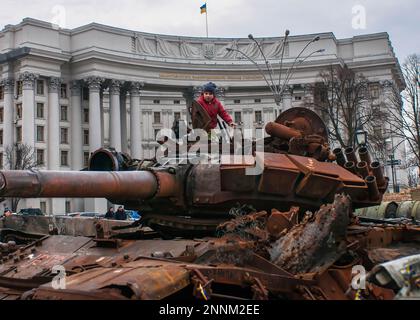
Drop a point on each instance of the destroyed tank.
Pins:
(293, 167)
(233, 241)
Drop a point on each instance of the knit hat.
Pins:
(209, 87)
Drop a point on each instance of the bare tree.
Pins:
(403, 116)
(342, 99)
(19, 157)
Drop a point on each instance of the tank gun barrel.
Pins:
(128, 185)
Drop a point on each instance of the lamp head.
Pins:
(316, 38)
(361, 137)
(287, 32)
(250, 36)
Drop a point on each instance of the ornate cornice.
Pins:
(307, 87)
(115, 87)
(8, 85)
(94, 83)
(54, 84)
(386, 84)
(28, 80)
(135, 88)
(221, 92)
(288, 90)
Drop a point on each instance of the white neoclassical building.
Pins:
(68, 92)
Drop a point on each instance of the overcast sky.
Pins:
(233, 18)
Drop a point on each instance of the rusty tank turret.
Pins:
(294, 167)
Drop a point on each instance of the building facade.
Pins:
(68, 92)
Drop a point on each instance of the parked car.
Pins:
(132, 215)
(31, 212)
(92, 214)
(86, 214)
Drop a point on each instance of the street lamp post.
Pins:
(393, 162)
(278, 90)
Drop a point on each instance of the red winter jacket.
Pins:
(214, 108)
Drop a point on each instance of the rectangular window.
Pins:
(374, 91)
(298, 98)
(238, 117)
(63, 113)
(19, 111)
(1, 137)
(156, 117)
(40, 160)
(19, 86)
(177, 116)
(236, 101)
(1, 160)
(64, 135)
(156, 101)
(156, 132)
(64, 158)
(257, 100)
(1, 92)
(85, 159)
(86, 137)
(40, 110)
(377, 132)
(18, 134)
(68, 207)
(85, 93)
(63, 91)
(39, 133)
(177, 101)
(43, 206)
(258, 116)
(376, 111)
(85, 115)
(40, 87)
(1, 115)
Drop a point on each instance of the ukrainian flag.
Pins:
(203, 8)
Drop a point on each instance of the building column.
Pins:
(28, 108)
(53, 124)
(190, 94)
(95, 125)
(8, 134)
(76, 126)
(220, 94)
(268, 114)
(95, 134)
(58, 205)
(28, 119)
(308, 98)
(8, 128)
(124, 129)
(76, 135)
(115, 115)
(135, 121)
(248, 120)
(166, 118)
(287, 98)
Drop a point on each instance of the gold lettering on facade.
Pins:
(183, 76)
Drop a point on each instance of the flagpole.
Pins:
(207, 26)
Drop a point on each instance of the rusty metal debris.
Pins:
(313, 259)
(211, 231)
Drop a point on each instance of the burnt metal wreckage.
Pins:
(212, 231)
